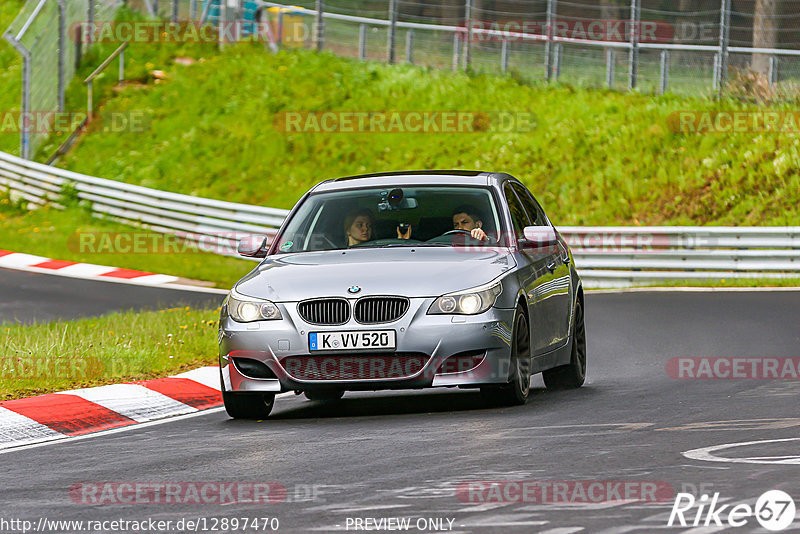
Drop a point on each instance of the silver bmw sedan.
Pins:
(404, 280)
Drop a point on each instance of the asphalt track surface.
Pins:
(403, 454)
(26, 297)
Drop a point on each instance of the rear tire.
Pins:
(248, 406)
(573, 374)
(325, 395)
(515, 393)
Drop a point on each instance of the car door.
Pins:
(532, 273)
(554, 295)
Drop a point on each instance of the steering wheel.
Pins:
(453, 232)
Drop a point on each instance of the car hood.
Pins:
(411, 272)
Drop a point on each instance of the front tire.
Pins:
(515, 393)
(248, 406)
(573, 374)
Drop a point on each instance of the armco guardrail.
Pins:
(605, 256)
(620, 256)
(214, 225)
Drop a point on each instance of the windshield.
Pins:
(393, 217)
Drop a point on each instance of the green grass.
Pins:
(124, 346)
(54, 233)
(596, 157)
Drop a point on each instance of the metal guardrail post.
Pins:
(392, 35)
(362, 42)
(192, 9)
(174, 10)
(773, 71)
(410, 46)
(155, 7)
(724, 40)
(611, 60)
(633, 58)
(456, 50)
(664, 85)
(320, 34)
(548, 45)
(467, 55)
(504, 56)
(62, 53)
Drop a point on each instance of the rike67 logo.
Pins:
(774, 510)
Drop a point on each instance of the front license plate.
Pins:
(373, 339)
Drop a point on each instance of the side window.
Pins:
(518, 216)
(535, 212)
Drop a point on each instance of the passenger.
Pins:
(358, 227)
(467, 217)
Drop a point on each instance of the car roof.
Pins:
(407, 178)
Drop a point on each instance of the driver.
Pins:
(358, 227)
(467, 217)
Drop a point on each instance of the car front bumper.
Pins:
(485, 338)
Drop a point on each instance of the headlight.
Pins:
(468, 302)
(247, 309)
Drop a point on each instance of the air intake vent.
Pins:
(375, 310)
(324, 311)
(355, 366)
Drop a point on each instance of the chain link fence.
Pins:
(40, 34)
(695, 47)
(682, 46)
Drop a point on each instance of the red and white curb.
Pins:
(39, 264)
(83, 411)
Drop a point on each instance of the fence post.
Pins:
(633, 59)
(90, 37)
(557, 61)
(192, 9)
(122, 66)
(62, 53)
(24, 134)
(174, 10)
(504, 56)
(279, 37)
(467, 55)
(456, 48)
(410, 46)
(664, 71)
(548, 45)
(390, 45)
(611, 60)
(773, 70)
(715, 79)
(320, 25)
(724, 39)
(155, 6)
(362, 42)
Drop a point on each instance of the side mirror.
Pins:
(253, 246)
(538, 238)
